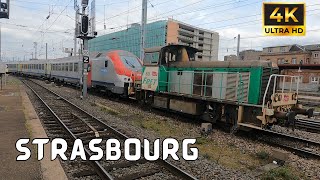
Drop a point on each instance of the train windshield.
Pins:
(131, 62)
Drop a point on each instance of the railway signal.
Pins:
(85, 33)
(4, 9)
(85, 25)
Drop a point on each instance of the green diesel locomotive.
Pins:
(240, 93)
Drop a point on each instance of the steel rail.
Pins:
(97, 166)
(169, 166)
(293, 139)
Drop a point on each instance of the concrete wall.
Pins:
(206, 41)
(3, 68)
(172, 32)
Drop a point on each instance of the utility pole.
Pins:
(143, 27)
(76, 29)
(238, 48)
(46, 51)
(0, 45)
(35, 49)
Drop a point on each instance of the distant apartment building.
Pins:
(292, 54)
(246, 55)
(161, 33)
(231, 57)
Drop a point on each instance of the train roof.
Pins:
(221, 64)
(159, 48)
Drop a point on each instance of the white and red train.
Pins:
(113, 71)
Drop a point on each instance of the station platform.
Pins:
(18, 119)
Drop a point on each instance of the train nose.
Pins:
(136, 76)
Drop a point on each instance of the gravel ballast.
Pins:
(125, 118)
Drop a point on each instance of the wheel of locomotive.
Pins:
(215, 112)
(148, 98)
(231, 115)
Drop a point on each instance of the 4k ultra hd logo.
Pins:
(284, 19)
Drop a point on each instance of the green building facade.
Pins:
(129, 39)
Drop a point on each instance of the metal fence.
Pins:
(208, 84)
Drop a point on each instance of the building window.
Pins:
(269, 50)
(75, 69)
(70, 66)
(282, 61)
(279, 61)
(282, 49)
(316, 55)
(294, 61)
(314, 79)
(308, 61)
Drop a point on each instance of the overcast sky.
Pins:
(52, 22)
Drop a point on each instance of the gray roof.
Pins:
(312, 47)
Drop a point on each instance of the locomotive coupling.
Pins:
(290, 117)
(307, 112)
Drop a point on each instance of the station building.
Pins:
(161, 33)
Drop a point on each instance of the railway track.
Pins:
(300, 146)
(309, 124)
(79, 124)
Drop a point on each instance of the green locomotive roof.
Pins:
(221, 64)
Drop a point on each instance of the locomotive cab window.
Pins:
(151, 58)
(177, 54)
(131, 62)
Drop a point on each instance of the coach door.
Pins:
(48, 70)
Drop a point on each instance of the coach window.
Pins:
(66, 68)
(106, 64)
(76, 67)
(70, 66)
